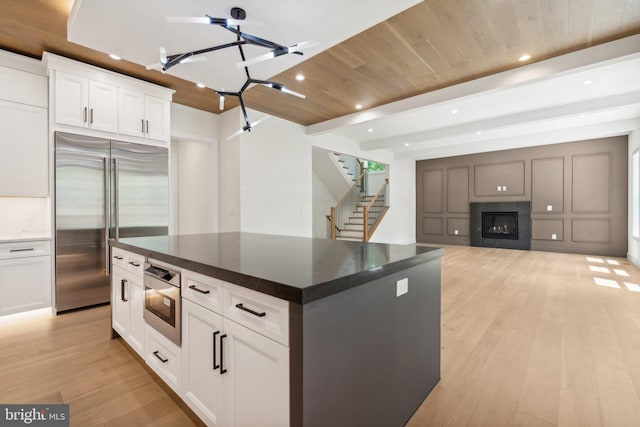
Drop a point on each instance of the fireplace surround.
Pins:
(501, 225)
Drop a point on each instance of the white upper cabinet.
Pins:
(85, 103)
(143, 115)
(107, 104)
(24, 150)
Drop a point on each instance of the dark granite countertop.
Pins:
(297, 269)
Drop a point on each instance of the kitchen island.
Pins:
(361, 328)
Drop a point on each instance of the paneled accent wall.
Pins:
(577, 190)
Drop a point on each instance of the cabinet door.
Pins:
(256, 384)
(103, 107)
(135, 337)
(156, 118)
(72, 100)
(131, 113)
(25, 284)
(121, 317)
(24, 148)
(201, 377)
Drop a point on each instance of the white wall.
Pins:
(633, 253)
(276, 188)
(323, 199)
(229, 173)
(195, 170)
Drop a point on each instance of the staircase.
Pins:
(354, 229)
(358, 213)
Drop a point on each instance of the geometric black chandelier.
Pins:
(242, 38)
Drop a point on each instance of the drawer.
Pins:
(203, 290)
(262, 313)
(163, 357)
(24, 249)
(128, 260)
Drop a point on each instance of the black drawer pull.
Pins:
(160, 358)
(214, 350)
(117, 257)
(248, 310)
(21, 250)
(198, 290)
(123, 282)
(222, 370)
(135, 264)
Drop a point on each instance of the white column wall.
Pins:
(194, 169)
(276, 174)
(633, 253)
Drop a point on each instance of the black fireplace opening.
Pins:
(500, 225)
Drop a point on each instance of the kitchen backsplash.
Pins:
(24, 218)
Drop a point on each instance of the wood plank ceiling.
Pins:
(435, 44)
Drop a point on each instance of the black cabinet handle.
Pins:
(222, 370)
(160, 358)
(122, 283)
(248, 310)
(21, 250)
(135, 264)
(198, 290)
(117, 257)
(214, 350)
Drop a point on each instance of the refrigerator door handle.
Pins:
(107, 268)
(116, 196)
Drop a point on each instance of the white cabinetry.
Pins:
(93, 101)
(24, 150)
(85, 103)
(143, 115)
(25, 276)
(24, 147)
(231, 374)
(127, 298)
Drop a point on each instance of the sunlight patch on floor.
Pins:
(606, 282)
(599, 269)
(620, 272)
(598, 260)
(612, 262)
(633, 287)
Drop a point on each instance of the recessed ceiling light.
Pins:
(406, 144)
(524, 57)
(116, 57)
(370, 130)
(299, 77)
(454, 111)
(587, 82)
(358, 106)
(479, 132)
(200, 85)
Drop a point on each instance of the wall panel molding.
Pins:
(591, 183)
(547, 185)
(432, 225)
(508, 175)
(591, 230)
(458, 189)
(433, 191)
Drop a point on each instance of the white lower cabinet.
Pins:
(231, 375)
(163, 356)
(25, 276)
(127, 305)
(256, 384)
(201, 380)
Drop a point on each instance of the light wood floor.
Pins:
(528, 339)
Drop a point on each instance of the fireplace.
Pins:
(501, 224)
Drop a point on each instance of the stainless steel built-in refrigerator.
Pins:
(103, 189)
